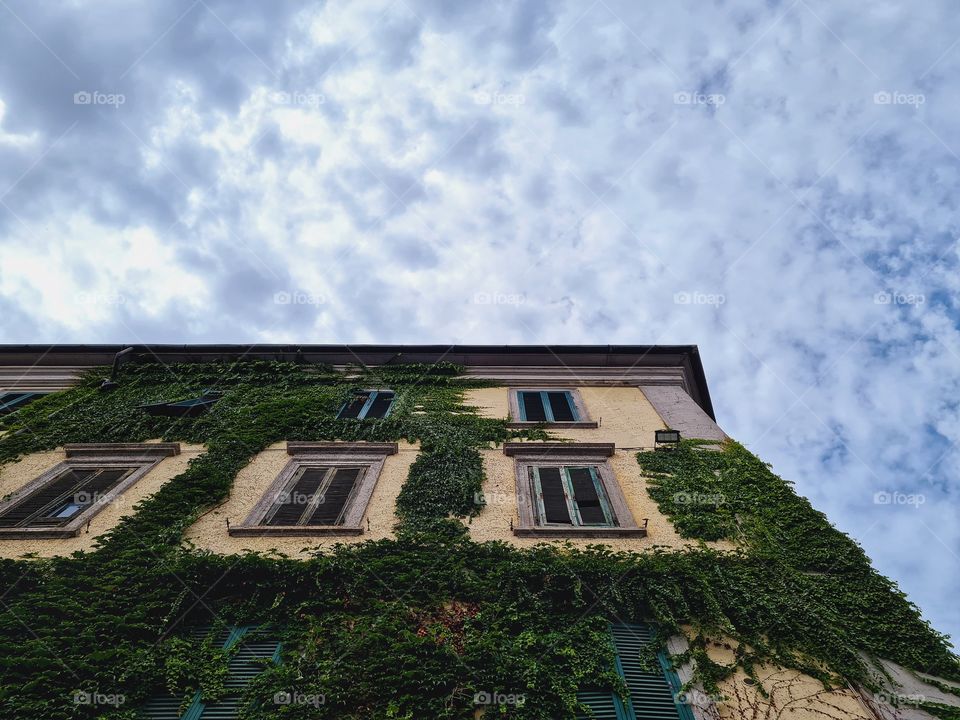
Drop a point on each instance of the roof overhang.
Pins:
(52, 366)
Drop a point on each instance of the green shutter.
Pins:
(652, 694)
(244, 665)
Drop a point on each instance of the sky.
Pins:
(774, 182)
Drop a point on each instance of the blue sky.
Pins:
(775, 182)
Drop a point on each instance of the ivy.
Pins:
(422, 625)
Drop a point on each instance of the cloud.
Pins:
(357, 172)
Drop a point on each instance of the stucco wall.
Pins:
(625, 415)
(627, 419)
(15, 475)
(210, 531)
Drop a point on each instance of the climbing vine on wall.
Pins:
(414, 627)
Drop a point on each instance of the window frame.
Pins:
(10, 405)
(371, 394)
(369, 456)
(518, 415)
(573, 510)
(528, 455)
(140, 458)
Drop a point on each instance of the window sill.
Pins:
(580, 425)
(293, 531)
(568, 532)
(46, 533)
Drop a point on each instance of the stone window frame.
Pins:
(371, 456)
(140, 457)
(514, 403)
(546, 454)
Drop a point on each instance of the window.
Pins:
(323, 490)
(184, 408)
(569, 496)
(550, 406)
(250, 647)
(653, 692)
(368, 405)
(13, 401)
(569, 489)
(59, 502)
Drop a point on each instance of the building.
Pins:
(423, 531)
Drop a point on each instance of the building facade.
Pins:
(574, 486)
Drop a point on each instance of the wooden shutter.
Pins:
(335, 497)
(561, 406)
(380, 407)
(587, 496)
(352, 409)
(551, 496)
(531, 407)
(291, 507)
(252, 647)
(651, 694)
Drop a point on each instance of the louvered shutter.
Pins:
(651, 694)
(39, 499)
(380, 406)
(335, 497)
(294, 503)
(561, 406)
(352, 409)
(552, 496)
(245, 664)
(586, 497)
(531, 406)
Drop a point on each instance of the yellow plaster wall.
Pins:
(625, 415)
(15, 475)
(628, 421)
(789, 694)
(210, 531)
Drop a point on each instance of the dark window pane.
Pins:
(380, 406)
(88, 492)
(551, 491)
(335, 498)
(37, 501)
(586, 497)
(560, 407)
(352, 409)
(532, 406)
(291, 506)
